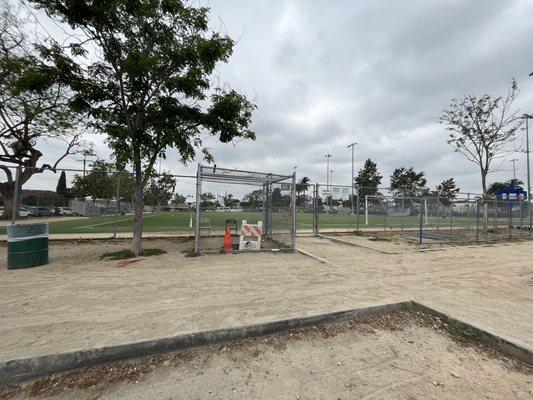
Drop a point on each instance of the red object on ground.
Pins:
(228, 244)
(128, 262)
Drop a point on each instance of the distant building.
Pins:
(94, 208)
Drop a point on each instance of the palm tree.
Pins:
(302, 186)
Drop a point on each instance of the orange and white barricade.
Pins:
(251, 236)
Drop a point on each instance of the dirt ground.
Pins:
(392, 356)
(79, 301)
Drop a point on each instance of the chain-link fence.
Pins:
(98, 204)
(244, 210)
(95, 204)
(336, 208)
(462, 218)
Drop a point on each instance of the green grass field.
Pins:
(180, 222)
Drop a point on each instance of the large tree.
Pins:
(98, 183)
(160, 189)
(497, 187)
(482, 128)
(254, 199)
(408, 182)
(144, 78)
(446, 191)
(368, 180)
(61, 188)
(179, 199)
(34, 106)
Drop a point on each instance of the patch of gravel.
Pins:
(102, 376)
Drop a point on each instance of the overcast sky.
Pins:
(325, 74)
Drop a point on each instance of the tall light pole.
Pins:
(352, 145)
(514, 160)
(527, 117)
(331, 179)
(327, 170)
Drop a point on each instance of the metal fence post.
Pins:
(402, 212)
(315, 209)
(468, 210)
(198, 206)
(438, 211)
(421, 222)
(477, 219)
(366, 209)
(510, 218)
(425, 211)
(495, 217)
(293, 227)
(357, 211)
(117, 204)
(451, 215)
(269, 208)
(520, 214)
(529, 213)
(16, 189)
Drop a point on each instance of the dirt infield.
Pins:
(400, 355)
(80, 302)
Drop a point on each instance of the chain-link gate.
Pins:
(244, 210)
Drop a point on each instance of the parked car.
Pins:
(39, 212)
(23, 213)
(66, 211)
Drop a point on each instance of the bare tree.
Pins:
(34, 107)
(482, 130)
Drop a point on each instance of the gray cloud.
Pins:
(378, 72)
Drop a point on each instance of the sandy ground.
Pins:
(79, 301)
(356, 361)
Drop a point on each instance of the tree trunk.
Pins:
(485, 203)
(6, 193)
(138, 211)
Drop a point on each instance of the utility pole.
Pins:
(352, 145)
(527, 118)
(85, 159)
(514, 160)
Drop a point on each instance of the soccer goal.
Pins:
(395, 211)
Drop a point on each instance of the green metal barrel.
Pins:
(27, 245)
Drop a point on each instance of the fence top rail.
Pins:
(393, 197)
(335, 185)
(89, 170)
(218, 174)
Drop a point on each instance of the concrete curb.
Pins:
(511, 347)
(306, 253)
(334, 239)
(22, 369)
